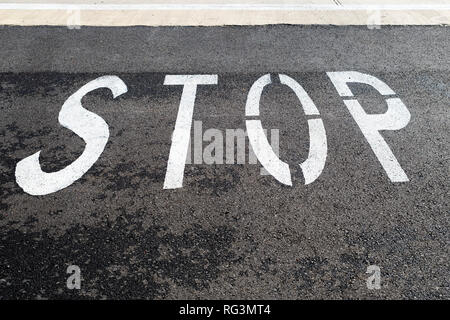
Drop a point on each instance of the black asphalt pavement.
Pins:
(230, 232)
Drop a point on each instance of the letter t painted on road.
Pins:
(182, 131)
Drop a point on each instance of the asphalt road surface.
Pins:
(229, 232)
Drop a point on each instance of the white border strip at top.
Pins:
(225, 7)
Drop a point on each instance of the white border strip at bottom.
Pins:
(223, 7)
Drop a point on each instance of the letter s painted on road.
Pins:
(89, 126)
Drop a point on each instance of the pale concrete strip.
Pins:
(244, 12)
(234, 2)
(222, 7)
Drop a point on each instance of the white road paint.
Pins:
(258, 140)
(340, 80)
(311, 167)
(308, 105)
(95, 132)
(182, 132)
(396, 117)
(265, 154)
(89, 126)
(317, 155)
(254, 95)
(223, 7)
